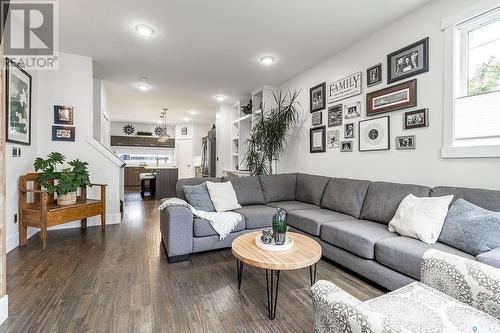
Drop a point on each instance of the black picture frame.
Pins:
(67, 119)
(409, 144)
(370, 79)
(360, 135)
(409, 101)
(10, 65)
(317, 118)
(322, 88)
(322, 131)
(404, 56)
(56, 134)
(407, 124)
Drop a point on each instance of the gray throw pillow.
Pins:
(198, 197)
(471, 228)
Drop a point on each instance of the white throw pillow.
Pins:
(223, 196)
(421, 218)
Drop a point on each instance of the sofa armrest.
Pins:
(176, 226)
(471, 282)
(491, 258)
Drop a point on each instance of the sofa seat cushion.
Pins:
(310, 188)
(203, 228)
(311, 220)
(491, 258)
(356, 236)
(404, 254)
(257, 216)
(289, 206)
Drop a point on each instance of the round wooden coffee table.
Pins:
(306, 252)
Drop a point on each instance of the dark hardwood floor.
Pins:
(120, 281)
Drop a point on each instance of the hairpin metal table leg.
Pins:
(272, 292)
(239, 268)
(312, 274)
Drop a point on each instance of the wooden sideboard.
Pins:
(140, 141)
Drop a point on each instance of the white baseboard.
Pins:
(13, 240)
(4, 308)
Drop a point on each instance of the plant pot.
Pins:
(66, 199)
(279, 238)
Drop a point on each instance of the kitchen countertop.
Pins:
(159, 167)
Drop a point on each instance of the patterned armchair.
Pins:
(455, 295)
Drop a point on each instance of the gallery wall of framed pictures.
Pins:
(347, 124)
(63, 128)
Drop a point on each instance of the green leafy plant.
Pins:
(268, 136)
(486, 77)
(280, 226)
(64, 181)
(247, 109)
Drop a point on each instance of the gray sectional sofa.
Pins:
(347, 217)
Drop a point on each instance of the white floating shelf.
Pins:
(235, 138)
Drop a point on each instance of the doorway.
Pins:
(185, 158)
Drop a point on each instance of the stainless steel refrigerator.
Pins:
(208, 154)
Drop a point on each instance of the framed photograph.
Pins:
(333, 138)
(408, 61)
(344, 88)
(374, 134)
(184, 130)
(405, 142)
(63, 133)
(317, 139)
(400, 96)
(352, 110)
(416, 119)
(317, 118)
(317, 97)
(335, 115)
(346, 146)
(374, 75)
(63, 115)
(18, 104)
(349, 131)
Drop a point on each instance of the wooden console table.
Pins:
(41, 210)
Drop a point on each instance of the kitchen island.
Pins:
(166, 179)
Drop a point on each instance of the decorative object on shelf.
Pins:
(405, 142)
(280, 226)
(267, 236)
(247, 109)
(128, 129)
(317, 97)
(157, 130)
(144, 133)
(63, 133)
(416, 119)
(346, 146)
(163, 136)
(349, 131)
(335, 115)
(344, 88)
(317, 139)
(63, 182)
(408, 61)
(317, 118)
(268, 135)
(374, 75)
(352, 110)
(18, 95)
(184, 130)
(400, 96)
(374, 134)
(63, 115)
(333, 138)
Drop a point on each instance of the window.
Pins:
(474, 115)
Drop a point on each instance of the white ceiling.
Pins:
(202, 48)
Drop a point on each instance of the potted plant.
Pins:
(247, 109)
(64, 182)
(280, 226)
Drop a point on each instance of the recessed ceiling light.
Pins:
(187, 119)
(193, 112)
(144, 30)
(143, 85)
(220, 98)
(267, 60)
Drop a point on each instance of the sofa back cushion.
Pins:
(382, 199)
(487, 199)
(191, 181)
(278, 187)
(310, 188)
(248, 190)
(345, 195)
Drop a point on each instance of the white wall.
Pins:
(199, 131)
(423, 165)
(223, 139)
(102, 124)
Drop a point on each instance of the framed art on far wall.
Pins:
(18, 104)
(374, 75)
(63, 133)
(317, 118)
(405, 142)
(408, 61)
(397, 97)
(335, 115)
(63, 115)
(346, 146)
(374, 134)
(333, 138)
(416, 119)
(317, 139)
(317, 97)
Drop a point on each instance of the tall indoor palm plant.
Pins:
(268, 135)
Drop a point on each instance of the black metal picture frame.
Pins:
(63, 115)
(388, 134)
(321, 105)
(416, 122)
(374, 75)
(322, 147)
(63, 133)
(408, 61)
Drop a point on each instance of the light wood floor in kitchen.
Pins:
(120, 281)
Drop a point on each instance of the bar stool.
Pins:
(151, 186)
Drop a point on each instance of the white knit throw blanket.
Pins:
(222, 222)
